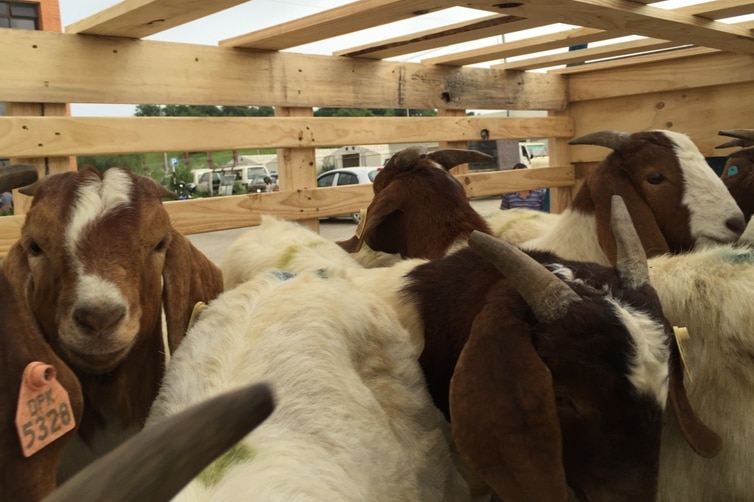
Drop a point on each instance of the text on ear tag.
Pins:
(44, 409)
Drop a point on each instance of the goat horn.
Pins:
(738, 133)
(452, 157)
(735, 142)
(609, 139)
(17, 175)
(547, 296)
(181, 445)
(632, 259)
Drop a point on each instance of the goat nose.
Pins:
(736, 224)
(99, 321)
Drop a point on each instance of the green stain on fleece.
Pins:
(291, 251)
(737, 256)
(239, 454)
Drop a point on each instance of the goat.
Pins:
(27, 472)
(405, 216)
(553, 379)
(159, 461)
(709, 292)
(738, 172)
(353, 421)
(676, 200)
(96, 262)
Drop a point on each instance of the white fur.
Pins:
(353, 420)
(710, 292)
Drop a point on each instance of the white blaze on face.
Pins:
(648, 369)
(709, 203)
(95, 199)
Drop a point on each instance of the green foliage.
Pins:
(374, 112)
(203, 111)
(133, 162)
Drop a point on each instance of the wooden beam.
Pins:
(64, 68)
(581, 55)
(52, 136)
(645, 20)
(441, 37)
(141, 18)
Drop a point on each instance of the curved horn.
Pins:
(160, 460)
(738, 133)
(547, 296)
(609, 139)
(17, 175)
(735, 142)
(452, 157)
(632, 259)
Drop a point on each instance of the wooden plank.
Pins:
(341, 20)
(667, 55)
(141, 18)
(581, 55)
(576, 36)
(238, 211)
(642, 20)
(441, 37)
(462, 168)
(54, 136)
(700, 68)
(63, 68)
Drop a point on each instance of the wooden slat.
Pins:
(635, 60)
(141, 18)
(49, 136)
(237, 211)
(605, 51)
(642, 20)
(334, 22)
(441, 37)
(63, 68)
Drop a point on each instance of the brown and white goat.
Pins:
(738, 173)
(674, 197)
(97, 262)
(419, 209)
(25, 475)
(553, 373)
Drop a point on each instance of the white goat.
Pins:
(709, 292)
(676, 201)
(353, 421)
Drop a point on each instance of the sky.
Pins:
(257, 14)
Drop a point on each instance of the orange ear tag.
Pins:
(44, 409)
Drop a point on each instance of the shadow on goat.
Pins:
(554, 380)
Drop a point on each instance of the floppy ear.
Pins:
(616, 182)
(383, 214)
(16, 268)
(188, 277)
(702, 440)
(502, 408)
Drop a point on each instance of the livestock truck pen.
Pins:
(687, 72)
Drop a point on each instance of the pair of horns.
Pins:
(159, 461)
(548, 296)
(607, 138)
(16, 176)
(447, 158)
(742, 138)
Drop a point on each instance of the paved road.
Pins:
(214, 244)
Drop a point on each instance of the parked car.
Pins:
(259, 184)
(348, 176)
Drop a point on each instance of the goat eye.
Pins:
(567, 404)
(655, 178)
(161, 245)
(34, 248)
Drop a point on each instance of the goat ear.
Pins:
(502, 408)
(16, 268)
(701, 438)
(616, 182)
(385, 204)
(188, 277)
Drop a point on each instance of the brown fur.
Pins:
(135, 248)
(21, 342)
(741, 185)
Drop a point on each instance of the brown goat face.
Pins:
(670, 172)
(738, 177)
(92, 273)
